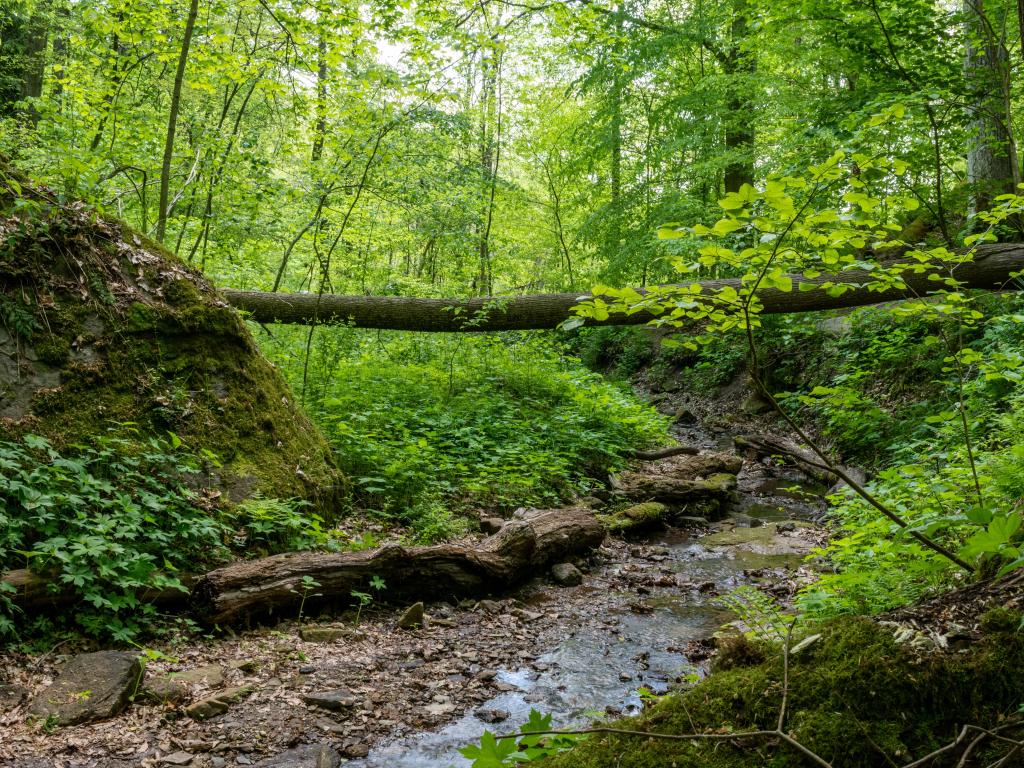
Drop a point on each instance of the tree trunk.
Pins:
(520, 550)
(739, 127)
(991, 269)
(991, 152)
(172, 121)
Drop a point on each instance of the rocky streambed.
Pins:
(638, 615)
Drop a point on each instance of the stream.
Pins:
(656, 597)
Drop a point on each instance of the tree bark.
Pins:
(992, 269)
(991, 152)
(517, 552)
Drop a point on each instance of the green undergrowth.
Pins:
(120, 518)
(857, 698)
(431, 428)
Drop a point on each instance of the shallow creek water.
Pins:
(599, 666)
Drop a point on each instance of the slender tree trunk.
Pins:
(739, 127)
(991, 152)
(320, 128)
(172, 121)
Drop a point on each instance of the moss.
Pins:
(152, 345)
(53, 350)
(857, 698)
(636, 517)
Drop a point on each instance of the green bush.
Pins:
(119, 517)
(432, 429)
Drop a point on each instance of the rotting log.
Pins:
(518, 551)
(991, 269)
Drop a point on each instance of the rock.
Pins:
(684, 416)
(173, 688)
(412, 618)
(592, 501)
(786, 527)
(336, 700)
(11, 696)
(177, 758)
(91, 686)
(707, 479)
(218, 703)
(491, 716)
(491, 525)
(486, 674)
(566, 574)
(636, 517)
(489, 606)
(307, 670)
(625, 677)
(355, 749)
(248, 666)
(331, 634)
(306, 756)
(440, 709)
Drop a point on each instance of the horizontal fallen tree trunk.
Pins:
(517, 552)
(257, 587)
(992, 269)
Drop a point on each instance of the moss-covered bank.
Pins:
(100, 327)
(857, 698)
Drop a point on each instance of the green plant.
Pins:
(493, 752)
(278, 524)
(308, 584)
(761, 617)
(364, 599)
(109, 522)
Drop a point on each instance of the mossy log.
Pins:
(520, 550)
(992, 269)
(701, 484)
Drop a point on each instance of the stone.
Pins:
(218, 703)
(489, 606)
(355, 749)
(684, 416)
(173, 688)
(247, 666)
(491, 525)
(177, 758)
(331, 634)
(306, 756)
(335, 700)
(92, 686)
(491, 716)
(412, 618)
(440, 709)
(592, 501)
(566, 574)
(11, 696)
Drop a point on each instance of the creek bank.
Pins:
(489, 655)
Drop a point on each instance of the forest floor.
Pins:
(642, 618)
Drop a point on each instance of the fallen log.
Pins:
(37, 592)
(517, 552)
(993, 268)
(666, 453)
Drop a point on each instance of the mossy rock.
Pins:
(101, 328)
(857, 698)
(635, 518)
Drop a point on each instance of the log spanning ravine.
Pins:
(994, 268)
